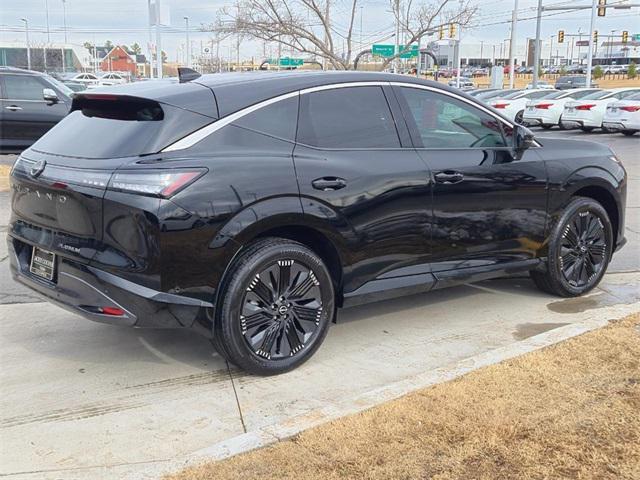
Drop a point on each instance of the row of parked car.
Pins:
(615, 110)
(83, 80)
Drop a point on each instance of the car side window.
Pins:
(445, 122)
(277, 120)
(23, 87)
(626, 94)
(351, 117)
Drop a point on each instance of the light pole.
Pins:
(512, 45)
(536, 54)
(186, 21)
(609, 46)
(64, 19)
(26, 31)
(361, 46)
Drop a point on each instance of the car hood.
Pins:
(573, 148)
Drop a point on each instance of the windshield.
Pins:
(61, 86)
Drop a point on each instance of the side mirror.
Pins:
(523, 138)
(50, 96)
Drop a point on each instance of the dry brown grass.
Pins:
(568, 411)
(4, 177)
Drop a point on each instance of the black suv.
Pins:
(31, 103)
(249, 207)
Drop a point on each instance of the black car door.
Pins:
(26, 115)
(354, 172)
(489, 206)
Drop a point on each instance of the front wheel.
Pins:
(580, 249)
(276, 308)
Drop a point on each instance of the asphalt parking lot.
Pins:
(85, 400)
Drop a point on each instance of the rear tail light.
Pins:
(500, 105)
(585, 107)
(163, 183)
(113, 311)
(544, 106)
(630, 108)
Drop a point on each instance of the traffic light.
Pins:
(595, 36)
(601, 10)
(625, 36)
(441, 33)
(452, 30)
(561, 36)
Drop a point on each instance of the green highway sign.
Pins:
(287, 62)
(412, 51)
(387, 51)
(383, 50)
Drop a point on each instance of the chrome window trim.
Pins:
(200, 134)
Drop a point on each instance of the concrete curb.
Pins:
(271, 434)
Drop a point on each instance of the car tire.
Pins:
(580, 249)
(629, 133)
(546, 127)
(587, 129)
(276, 307)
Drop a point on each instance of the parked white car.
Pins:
(112, 78)
(512, 106)
(86, 78)
(546, 111)
(588, 112)
(623, 115)
(541, 84)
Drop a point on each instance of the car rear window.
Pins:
(635, 96)
(596, 95)
(106, 126)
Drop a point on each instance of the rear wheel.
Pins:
(276, 308)
(587, 129)
(546, 127)
(628, 133)
(579, 250)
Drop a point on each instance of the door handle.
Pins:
(329, 183)
(449, 177)
(13, 108)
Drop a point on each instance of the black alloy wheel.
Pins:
(580, 248)
(281, 309)
(276, 307)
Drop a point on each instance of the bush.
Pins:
(632, 72)
(563, 70)
(597, 72)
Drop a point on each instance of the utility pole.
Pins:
(458, 59)
(594, 9)
(551, 51)
(46, 9)
(361, 45)
(327, 20)
(536, 54)
(26, 31)
(512, 45)
(186, 21)
(158, 41)
(150, 49)
(397, 37)
(481, 45)
(238, 42)
(64, 19)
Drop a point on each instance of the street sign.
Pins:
(635, 37)
(383, 50)
(286, 62)
(412, 51)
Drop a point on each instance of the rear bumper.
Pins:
(83, 290)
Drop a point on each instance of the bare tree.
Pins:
(306, 27)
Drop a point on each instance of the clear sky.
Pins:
(126, 21)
